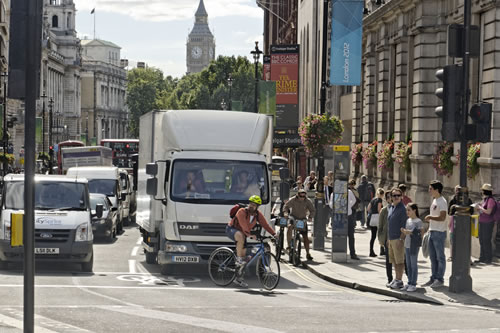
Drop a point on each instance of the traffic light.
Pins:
(480, 114)
(51, 152)
(451, 96)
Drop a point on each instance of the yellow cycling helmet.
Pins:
(255, 199)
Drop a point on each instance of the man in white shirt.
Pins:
(437, 228)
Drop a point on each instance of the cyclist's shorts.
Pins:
(230, 232)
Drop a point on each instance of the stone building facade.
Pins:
(104, 87)
(404, 43)
(200, 46)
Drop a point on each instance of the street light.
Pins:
(5, 134)
(230, 84)
(44, 96)
(223, 105)
(51, 106)
(256, 55)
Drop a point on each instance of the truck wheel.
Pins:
(151, 257)
(88, 266)
(166, 269)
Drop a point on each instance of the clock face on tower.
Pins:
(196, 52)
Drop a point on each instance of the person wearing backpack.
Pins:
(487, 211)
(366, 192)
(238, 229)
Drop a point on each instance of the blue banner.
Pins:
(345, 53)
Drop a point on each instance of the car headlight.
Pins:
(175, 248)
(82, 233)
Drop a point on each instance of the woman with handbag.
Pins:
(374, 208)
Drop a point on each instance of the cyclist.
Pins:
(302, 209)
(238, 229)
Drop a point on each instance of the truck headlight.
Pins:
(175, 248)
(82, 233)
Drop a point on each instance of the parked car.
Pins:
(106, 225)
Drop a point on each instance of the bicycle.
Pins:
(223, 270)
(300, 226)
(281, 238)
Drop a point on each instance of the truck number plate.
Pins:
(186, 259)
(45, 250)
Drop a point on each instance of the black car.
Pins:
(106, 225)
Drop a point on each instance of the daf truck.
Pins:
(194, 165)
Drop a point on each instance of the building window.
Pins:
(55, 21)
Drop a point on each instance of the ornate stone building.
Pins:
(200, 46)
(104, 87)
(404, 43)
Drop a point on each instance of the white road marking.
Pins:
(218, 325)
(134, 251)
(131, 267)
(139, 241)
(18, 323)
(299, 291)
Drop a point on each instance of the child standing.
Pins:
(413, 241)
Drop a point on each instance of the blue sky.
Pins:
(155, 31)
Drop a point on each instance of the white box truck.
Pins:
(194, 165)
(86, 156)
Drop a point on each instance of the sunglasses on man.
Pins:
(396, 195)
(302, 196)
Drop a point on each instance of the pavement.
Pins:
(368, 274)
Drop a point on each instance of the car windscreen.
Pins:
(103, 186)
(218, 181)
(48, 195)
(98, 200)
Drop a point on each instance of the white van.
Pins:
(63, 229)
(104, 180)
(126, 187)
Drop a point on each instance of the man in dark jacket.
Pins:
(366, 192)
(397, 220)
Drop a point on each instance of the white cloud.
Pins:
(171, 10)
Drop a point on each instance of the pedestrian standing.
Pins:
(406, 199)
(374, 208)
(486, 210)
(382, 233)
(351, 218)
(366, 192)
(397, 220)
(413, 241)
(437, 228)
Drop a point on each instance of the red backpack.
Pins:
(235, 209)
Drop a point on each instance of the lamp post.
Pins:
(51, 107)
(230, 84)
(44, 96)
(256, 55)
(5, 137)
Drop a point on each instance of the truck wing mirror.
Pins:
(284, 173)
(152, 186)
(98, 210)
(152, 169)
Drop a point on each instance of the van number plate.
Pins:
(186, 259)
(45, 250)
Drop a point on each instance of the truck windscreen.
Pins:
(48, 195)
(218, 181)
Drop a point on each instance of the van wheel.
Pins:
(151, 257)
(88, 266)
(166, 269)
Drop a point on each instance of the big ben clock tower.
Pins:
(200, 47)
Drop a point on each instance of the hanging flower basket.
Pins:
(473, 152)
(403, 152)
(370, 154)
(441, 159)
(357, 154)
(318, 131)
(384, 156)
(9, 158)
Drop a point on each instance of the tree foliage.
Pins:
(148, 89)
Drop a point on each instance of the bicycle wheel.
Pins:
(222, 266)
(279, 246)
(268, 271)
(296, 252)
